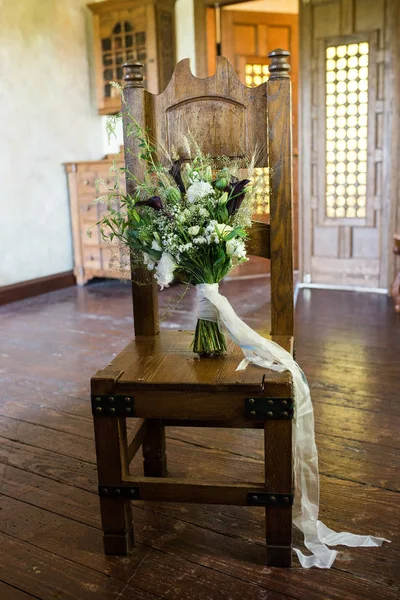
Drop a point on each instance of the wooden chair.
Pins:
(156, 378)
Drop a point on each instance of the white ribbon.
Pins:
(269, 355)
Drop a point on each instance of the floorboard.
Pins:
(11, 593)
(50, 540)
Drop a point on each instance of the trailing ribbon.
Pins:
(269, 355)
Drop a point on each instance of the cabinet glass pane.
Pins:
(106, 44)
(123, 44)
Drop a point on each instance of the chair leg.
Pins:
(155, 459)
(278, 479)
(116, 517)
(112, 464)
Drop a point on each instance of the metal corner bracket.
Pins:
(269, 499)
(109, 405)
(119, 491)
(269, 408)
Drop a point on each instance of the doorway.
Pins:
(346, 122)
(245, 32)
(347, 145)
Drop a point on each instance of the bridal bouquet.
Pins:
(186, 221)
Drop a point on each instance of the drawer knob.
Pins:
(86, 181)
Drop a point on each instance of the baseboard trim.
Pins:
(35, 287)
(343, 288)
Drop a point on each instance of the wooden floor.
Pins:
(50, 540)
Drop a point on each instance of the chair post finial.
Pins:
(279, 67)
(133, 76)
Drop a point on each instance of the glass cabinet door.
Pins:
(125, 41)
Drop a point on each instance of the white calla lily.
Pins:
(165, 270)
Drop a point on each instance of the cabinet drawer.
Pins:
(103, 208)
(88, 210)
(109, 253)
(111, 261)
(92, 237)
(87, 182)
(91, 257)
(108, 178)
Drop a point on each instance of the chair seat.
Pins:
(167, 380)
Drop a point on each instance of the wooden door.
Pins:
(246, 40)
(345, 140)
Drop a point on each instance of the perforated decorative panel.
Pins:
(259, 177)
(346, 130)
(261, 201)
(255, 74)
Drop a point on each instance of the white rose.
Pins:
(236, 248)
(203, 212)
(223, 229)
(198, 190)
(165, 270)
(194, 230)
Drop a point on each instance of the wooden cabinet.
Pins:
(91, 254)
(140, 30)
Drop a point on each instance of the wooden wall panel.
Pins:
(277, 37)
(245, 39)
(326, 19)
(369, 15)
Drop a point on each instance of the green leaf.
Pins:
(230, 235)
(225, 215)
(156, 254)
(238, 231)
(220, 257)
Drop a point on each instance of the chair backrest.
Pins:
(226, 118)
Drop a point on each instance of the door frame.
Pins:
(391, 162)
(200, 31)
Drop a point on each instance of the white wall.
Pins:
(48, 116)
(185, 43)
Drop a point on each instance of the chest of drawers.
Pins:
(91, 254)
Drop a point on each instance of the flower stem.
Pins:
(209, 340)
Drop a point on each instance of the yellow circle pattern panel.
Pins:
(346, 130)
(261, 191)
(256, 74)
